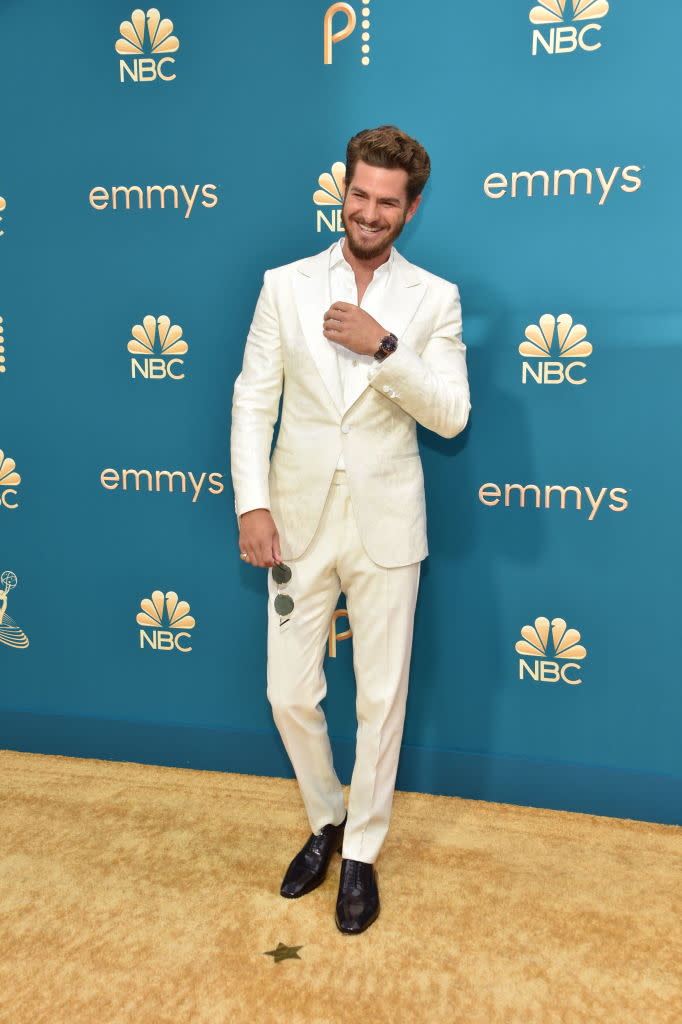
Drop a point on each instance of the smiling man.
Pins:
(361, 345)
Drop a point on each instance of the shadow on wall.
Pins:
(460, 657)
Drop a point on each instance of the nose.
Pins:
(371, 210)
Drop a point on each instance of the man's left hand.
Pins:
(353, 328)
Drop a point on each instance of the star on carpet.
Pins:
(283, 952)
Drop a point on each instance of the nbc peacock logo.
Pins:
(9, 481)
(10, 634)
(3, 207)
(557, 36)
(555, 651)
(168, 621)
(330, 196)
(155, 347)
(550, 338)
(148, 34)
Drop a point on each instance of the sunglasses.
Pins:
(281, 574)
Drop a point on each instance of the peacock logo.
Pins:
(10, 634)
(146, 34)
(562, 36)
(330, 195)
(169, 620)
(9, 481)
(160, 344)
(548, 644)
(550, 11)
(158, 31)
(551, 338)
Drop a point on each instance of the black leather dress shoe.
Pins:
(358, 903)
(309, 867)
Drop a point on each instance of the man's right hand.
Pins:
(258, 538)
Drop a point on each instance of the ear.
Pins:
(344, 185)
(412, 208)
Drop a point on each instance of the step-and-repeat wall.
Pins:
(154, 164)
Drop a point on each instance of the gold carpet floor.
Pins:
(132, 894)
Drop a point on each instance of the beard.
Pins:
(366, 249)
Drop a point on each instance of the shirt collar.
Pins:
(336, 258)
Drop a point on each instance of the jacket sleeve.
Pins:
(255, 405)
(432, 386)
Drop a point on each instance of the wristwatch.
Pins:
(388, 344)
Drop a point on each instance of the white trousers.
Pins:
(380, 604)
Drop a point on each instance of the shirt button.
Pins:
(355, 362)
(345, 428)
(386, 388)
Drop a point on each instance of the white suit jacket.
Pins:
(423, 381)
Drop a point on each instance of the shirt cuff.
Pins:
(374, 369)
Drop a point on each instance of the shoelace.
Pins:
(317, 843)
(352, 873)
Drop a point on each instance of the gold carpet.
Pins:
(132, 894)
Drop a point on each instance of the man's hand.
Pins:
(258, 538)
(353, 328)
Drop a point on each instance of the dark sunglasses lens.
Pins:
(281, 573)
(284, 604)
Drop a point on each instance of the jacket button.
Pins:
(345, 428)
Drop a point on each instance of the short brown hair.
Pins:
(388, 146)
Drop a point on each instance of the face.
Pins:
(375, 209)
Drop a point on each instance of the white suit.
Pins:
(362, 530)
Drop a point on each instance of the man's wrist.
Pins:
(248, 511)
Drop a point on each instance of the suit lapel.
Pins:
(311, 291)
(405, 291)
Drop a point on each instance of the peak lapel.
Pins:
(311, 292)
(404, 294)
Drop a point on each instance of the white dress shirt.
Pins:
(353, 367)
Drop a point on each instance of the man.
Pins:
(365, 346)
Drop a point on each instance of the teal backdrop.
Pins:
(245, 108)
